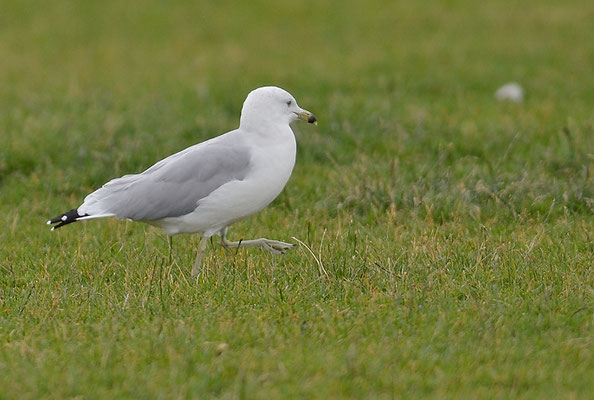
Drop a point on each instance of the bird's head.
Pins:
(272, 105)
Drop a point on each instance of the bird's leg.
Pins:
(273, 246)
(198, 262)
(224, 241)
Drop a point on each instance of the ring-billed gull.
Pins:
(207, 187)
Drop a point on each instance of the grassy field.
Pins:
(448, 238)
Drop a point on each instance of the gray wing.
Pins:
(173, 186)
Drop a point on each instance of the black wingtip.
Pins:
(65, 219)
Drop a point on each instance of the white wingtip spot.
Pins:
(48, 222)
(53, 228)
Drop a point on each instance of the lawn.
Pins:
(447, 239)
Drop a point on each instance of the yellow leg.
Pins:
(198, 262)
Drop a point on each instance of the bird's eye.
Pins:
(289, 103)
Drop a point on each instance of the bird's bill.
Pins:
(307, 116)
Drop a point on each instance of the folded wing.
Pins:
(173, 186)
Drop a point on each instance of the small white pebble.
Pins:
(511, 91)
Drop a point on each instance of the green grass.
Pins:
(453, 235)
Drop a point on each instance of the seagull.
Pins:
(209, 186)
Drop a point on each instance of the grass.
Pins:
(448, 238)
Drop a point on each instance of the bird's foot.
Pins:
(273, 246)
(276, 247)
